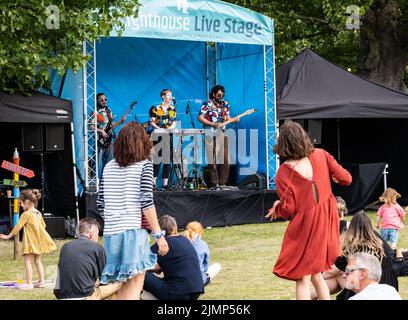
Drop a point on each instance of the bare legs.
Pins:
(132, 289)
(40, 268)
(320, 286)
(28, 268)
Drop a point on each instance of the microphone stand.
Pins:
(198, 180)
(175, 166)
(188, 110)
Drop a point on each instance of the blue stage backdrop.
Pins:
(166, 47)
(239, 69)
(138, 69)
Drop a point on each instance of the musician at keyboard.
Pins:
(212, 115)
(163, 117)
(104, 123)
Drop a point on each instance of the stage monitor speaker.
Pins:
(32, 137)
(55, 226)
(255, 181)
(54, 137)
(315, 131)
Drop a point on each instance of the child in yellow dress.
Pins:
(36, 240)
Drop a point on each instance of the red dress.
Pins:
(312, 242)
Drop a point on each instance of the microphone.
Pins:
(174, 101)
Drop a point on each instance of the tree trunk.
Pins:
(383, 55)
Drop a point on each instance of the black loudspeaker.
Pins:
(32, 137)
(55, 227)
(315, 131)
(54, 137)
(255, 181)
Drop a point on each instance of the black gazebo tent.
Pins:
(17, 111)
(366, 121)
(309, 87)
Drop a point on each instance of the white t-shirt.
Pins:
(376, 291)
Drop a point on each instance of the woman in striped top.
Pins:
(126, 192)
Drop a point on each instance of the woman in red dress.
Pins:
(311, 243)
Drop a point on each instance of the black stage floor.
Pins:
(211, 208)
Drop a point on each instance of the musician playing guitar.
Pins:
(213, 114)
(105, 122)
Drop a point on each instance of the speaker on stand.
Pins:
(315, 130)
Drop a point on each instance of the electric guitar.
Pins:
(110, 129)
(219, 129)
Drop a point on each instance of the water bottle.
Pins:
(15, 154)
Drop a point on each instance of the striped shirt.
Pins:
(124, 192)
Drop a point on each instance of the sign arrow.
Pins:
(17, 169)
(14, 183)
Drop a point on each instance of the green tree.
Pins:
(377, 48)
(36, 38)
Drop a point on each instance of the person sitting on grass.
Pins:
(36, 240)
(342, 209)
(362, 276)
(181, 270)
(360, 237)
(194, 232)
(80, 266)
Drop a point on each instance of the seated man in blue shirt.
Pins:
(181, 269)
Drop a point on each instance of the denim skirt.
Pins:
(128, 254)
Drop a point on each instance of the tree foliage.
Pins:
(322, 26)
(31, 42)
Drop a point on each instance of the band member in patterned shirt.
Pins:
(212, 114)
(163, 116)
(104, 120)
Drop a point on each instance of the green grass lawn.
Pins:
(247, 254)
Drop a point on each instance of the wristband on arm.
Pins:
(158, 235)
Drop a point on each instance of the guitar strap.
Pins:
(108, 114)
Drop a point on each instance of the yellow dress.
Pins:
(35, 239)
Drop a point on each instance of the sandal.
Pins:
(25, 286)
(39, 285)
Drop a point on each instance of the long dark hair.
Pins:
(360, 237)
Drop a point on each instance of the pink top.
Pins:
(391, 216)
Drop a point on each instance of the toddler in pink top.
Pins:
(392, 216)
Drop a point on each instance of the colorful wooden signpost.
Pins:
(17, 169)
(9, 182)
(16, 183)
